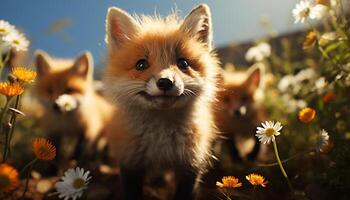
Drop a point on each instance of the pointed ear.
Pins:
(42, 62)
(198, 24)
(253, 80)
(120, 26)
(83, 65)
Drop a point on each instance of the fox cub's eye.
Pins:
(142, 65)
(69, 90)
(182, 63)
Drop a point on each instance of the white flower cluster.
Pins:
(292, 86)
(294, 83)
(308, 9)
(258, 52)
(10, 37)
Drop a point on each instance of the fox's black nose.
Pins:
(56, 107)
(237, 112)
(164, 84)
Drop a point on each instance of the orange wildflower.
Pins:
(307, 114)
(10, 90)
(329, 96)
(24, 74)
(229, 182)
(256, 179)
(43, 149)
(309, 40)
(8, 178)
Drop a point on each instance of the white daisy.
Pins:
(322, 139)
(6, 28)
(305, 75)
(259, 52)
(17, 41)
(286, 83)
(66, 103)
(302, 11)
(305, 9)
(320, 84)
(318, 11)
(267, 133)
(73, 183)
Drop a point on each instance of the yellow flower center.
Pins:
(78, 183)
(306, 12)
(16, 42)
(43, 149)
(270, 132)
(2, 30)
(4, 182)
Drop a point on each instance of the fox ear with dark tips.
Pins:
(83, 65)
(198, 24)
(254, 78)
(42, 62)
(120, 26)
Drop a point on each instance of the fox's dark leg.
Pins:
(253, 155)
(132, 183)
(80, 147)
(185, 185)
(231, 144)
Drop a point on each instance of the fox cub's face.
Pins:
(237, 96)
(158, 63)
(63, 80)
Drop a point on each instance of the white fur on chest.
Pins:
(159, 142)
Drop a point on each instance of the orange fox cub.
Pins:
(162, 74)
(239, 112)
(72, 107)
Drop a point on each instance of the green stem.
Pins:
(27, 165)
(4, 109)
(2, 127)
(3, 62)
(27, 178)
(7, 57)
(227, 194)
(285, 160)
(281, 166)
(254, 192)
(10, 133)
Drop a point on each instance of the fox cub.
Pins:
(72, 107)
(162, 72)
(239, 112)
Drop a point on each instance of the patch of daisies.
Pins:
(10, 37)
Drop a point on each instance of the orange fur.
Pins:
(239, 111)
(67, 76)
(171, 129)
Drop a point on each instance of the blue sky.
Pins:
(79, 24)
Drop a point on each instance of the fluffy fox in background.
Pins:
(72, 107)
(240, 112)
(161, 72)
